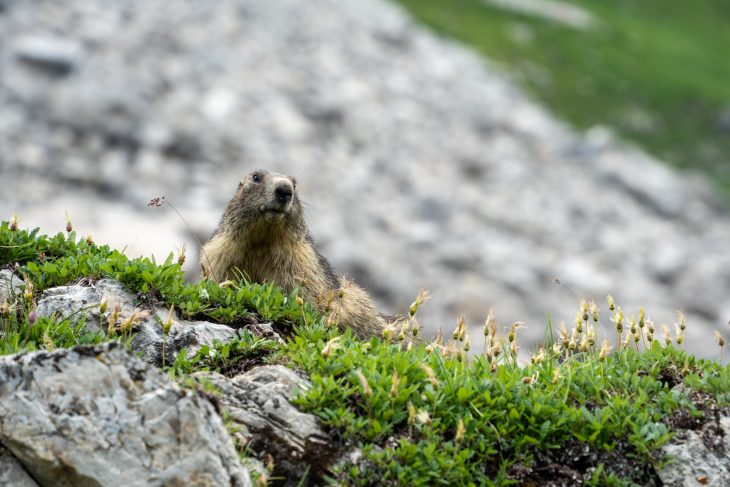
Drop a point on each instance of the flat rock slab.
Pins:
(97, 416)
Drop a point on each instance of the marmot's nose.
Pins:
(283, 192)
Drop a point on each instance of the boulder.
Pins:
(258, 402)
(96, 415)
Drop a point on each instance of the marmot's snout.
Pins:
(283, 192)
(281, 198)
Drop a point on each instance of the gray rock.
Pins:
(666, 263)
(79, 301)
(57, 55)
(258, 402)
(12, 472)
(10, 285)
(693, 460)
(98, 416)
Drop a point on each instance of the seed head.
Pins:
(330, 347)
(642, 317)
(490, 326)
(720, 339)
(14, 222)
(430, 375)
(591, 335)
(28, 291)
(605, 349)
(611, 303)
(678, 333)
(411, 413)
(168, 324)
(48, 342)
(157, 202)
(422, 297)
(69, 225)
(366, 390)
(460, 330)
(563, 332)
(496, 349)
(618, 320)
(666, 335)
(584, 309)
(556, 375)
(539, 357)
(112, 320)
(103, 305)
(460, 430)
(594, 311)
(137, 316)
(181, 255)
(682, 321)
(627, 339)
(394, 381)
(90, 238)
(423, 417)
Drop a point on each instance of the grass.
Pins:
(421, 415)
(656, 70)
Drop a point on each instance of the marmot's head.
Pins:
(265, 202)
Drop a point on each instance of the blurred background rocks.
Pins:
(422, 165)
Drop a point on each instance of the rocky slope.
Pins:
(99, 415)
(423, 166)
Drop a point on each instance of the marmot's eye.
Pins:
(256, 178)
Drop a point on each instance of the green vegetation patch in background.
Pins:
(656, 71)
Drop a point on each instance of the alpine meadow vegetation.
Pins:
(599, 397)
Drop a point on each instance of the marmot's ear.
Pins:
(240, 184)
(294, 182)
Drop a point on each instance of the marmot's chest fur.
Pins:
(263, 237)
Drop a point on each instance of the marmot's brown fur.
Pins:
(263, 236)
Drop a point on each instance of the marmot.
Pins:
(263, 236)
